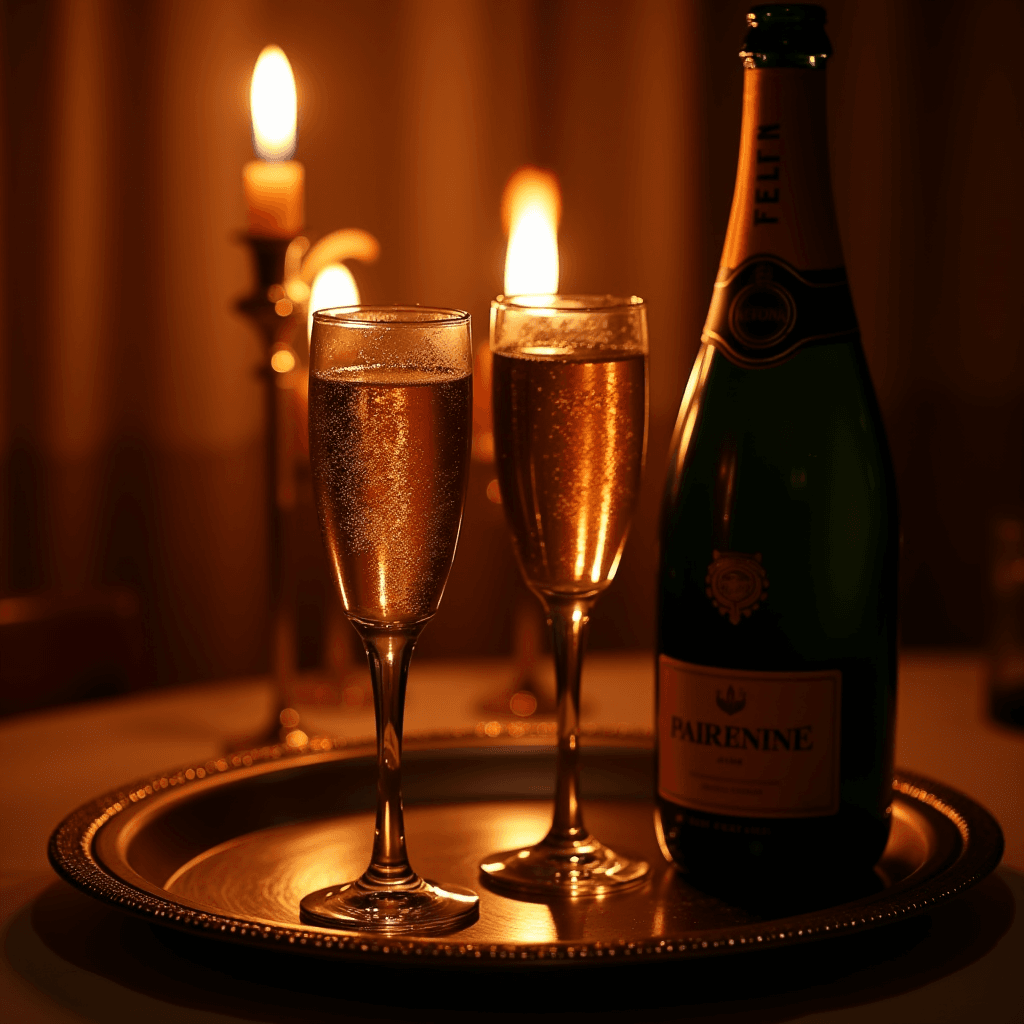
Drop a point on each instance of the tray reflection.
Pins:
(235, 851)
(262, 876)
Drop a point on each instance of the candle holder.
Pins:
(285, 269)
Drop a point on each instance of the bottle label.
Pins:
(748, 744)
(764, 310)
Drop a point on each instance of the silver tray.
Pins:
(227, 849)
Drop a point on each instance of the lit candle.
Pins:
(531, 207)
(274, 184)
(333, 286)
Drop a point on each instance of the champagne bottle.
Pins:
(779, 537)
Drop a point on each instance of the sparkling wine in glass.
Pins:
(570, 424)
(390, 413)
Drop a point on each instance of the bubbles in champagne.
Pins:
(390, 452)
(570, 438)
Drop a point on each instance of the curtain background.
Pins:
(131, 418)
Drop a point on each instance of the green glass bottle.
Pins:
(780, 536)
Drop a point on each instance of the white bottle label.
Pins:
(748, 744)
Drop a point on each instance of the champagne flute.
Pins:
(570, 428)
(390, 406)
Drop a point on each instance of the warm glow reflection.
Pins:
(273, 105)
(283, 360)
(531, 207)
(333, 286)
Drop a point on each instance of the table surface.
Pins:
(67, 958)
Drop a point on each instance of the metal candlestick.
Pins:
(285, 269)
(269, 308)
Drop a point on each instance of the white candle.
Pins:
(274, 184)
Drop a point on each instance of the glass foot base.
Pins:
(423, 908)
(571, 869)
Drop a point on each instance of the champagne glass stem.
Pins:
(568, 620)
(568, 861)
(389, 652)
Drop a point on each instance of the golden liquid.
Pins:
(390, 455)
(569, 434)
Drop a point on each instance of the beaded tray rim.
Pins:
(71, 854)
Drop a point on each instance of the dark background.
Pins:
(130, 423)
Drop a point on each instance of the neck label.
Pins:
(764, 310)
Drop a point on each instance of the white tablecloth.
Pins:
(53, 761)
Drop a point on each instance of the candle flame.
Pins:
(531, 208)
(273, 105)
(333, 286)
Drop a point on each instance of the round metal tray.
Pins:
(228, 848)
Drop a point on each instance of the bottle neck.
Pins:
(782, 204)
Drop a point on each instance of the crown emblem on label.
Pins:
(736, 584)
(763, 273)
(732, 701)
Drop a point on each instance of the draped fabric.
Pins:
(131, 418)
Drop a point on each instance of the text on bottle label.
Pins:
(748, 744)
